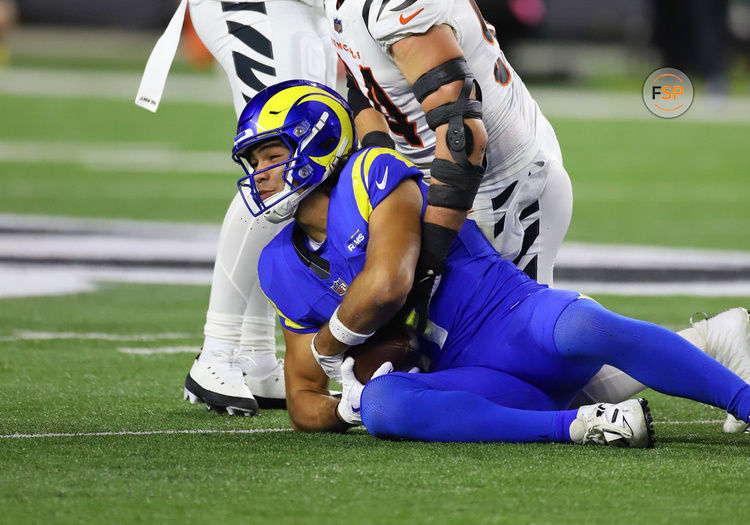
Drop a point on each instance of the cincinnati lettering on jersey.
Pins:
(343, 47)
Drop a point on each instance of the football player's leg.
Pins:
(555, 209)
(261, 43)
(476, 405)
(257, 44)
(222, 369)
(724, 336)
(526, 215)
(461, 405)
(587, 332)
(264, 373)
(608, 385)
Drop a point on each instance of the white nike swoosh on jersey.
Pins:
(381, 183)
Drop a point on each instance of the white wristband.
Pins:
(343, 334)
(331, 364)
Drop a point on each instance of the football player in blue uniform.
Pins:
(507, 354)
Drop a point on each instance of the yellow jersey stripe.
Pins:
(360, 190)
(288, 322)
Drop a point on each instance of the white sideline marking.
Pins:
(108, 156)
(213, 89)
(696, 288)
(691, 422)
(164, 350)
(43, 280)
(22, 335)
(145, 433)
(239, 431)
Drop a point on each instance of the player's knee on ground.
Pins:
(386, 407)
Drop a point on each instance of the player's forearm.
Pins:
(314, 412)
(381, 288)
(369, 120)
(450, 217)
(372, 130)
(434, 64)
(374, 297)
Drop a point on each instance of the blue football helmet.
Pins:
(317, 126)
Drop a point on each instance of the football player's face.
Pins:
(267, 154)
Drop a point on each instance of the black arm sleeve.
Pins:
(357, 101)
(377, 139)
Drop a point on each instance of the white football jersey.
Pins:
(363, 31)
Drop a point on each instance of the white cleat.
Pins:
(235, 411)
(187, 395)
(727, 337)
(217, 380)
(268, 390)
(732, 425)
(626, 424)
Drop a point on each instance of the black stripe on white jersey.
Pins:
(255, 40)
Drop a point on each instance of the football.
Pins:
(400, 347)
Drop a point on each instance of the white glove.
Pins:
(331, 364)
(349, 406)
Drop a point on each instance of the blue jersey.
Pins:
(478, 287)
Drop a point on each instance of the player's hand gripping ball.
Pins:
(399, 346)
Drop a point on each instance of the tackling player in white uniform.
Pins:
(258, 44)
(524, 201)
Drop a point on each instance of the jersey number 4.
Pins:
(397, 121)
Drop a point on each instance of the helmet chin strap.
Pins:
(282, 211)
(288, 207)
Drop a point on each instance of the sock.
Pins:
(212, 345)
(223, 327)
(261, 363)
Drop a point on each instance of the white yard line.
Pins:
(690, 422)
(682, 289)
(582, 255)
(43, 280)
(162, 350)
(25, 335)
(214, 89)
(106, 247)
(120, 156)
(244, 431)
(112, 85)
(142, 433)
(49, 280)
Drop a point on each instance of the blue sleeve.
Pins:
(384, 170)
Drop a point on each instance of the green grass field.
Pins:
(84, 386)
(644, 182)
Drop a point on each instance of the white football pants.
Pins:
(526, 215)
(258, 44)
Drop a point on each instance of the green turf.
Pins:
(123, 63)
(651, 182)
(187, 126)
(658, 182)
(673, 183)
(695, 474)
(87, 192)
